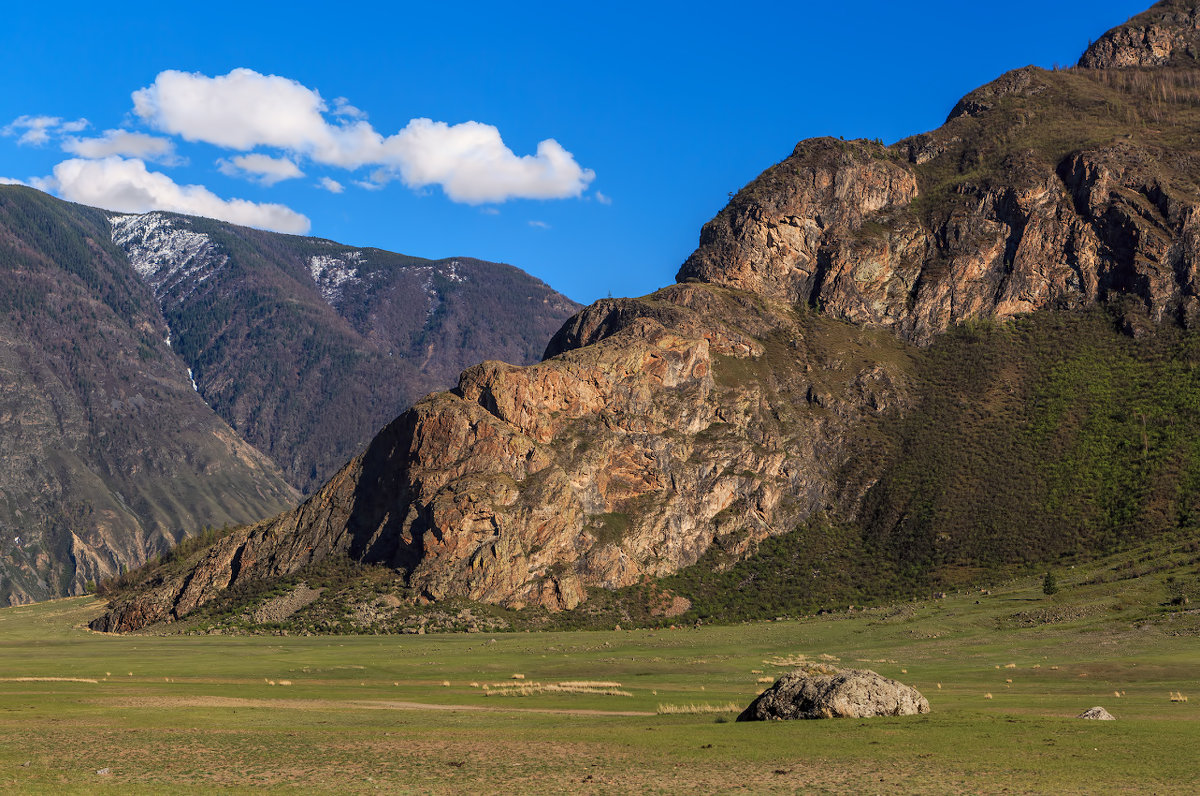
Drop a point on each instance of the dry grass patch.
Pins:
(48, 680)
(532, 689)
(800, 659)
(703, 707)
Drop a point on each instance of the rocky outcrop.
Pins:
(833, 227)
(819, 692)
(1168, 33)
(1097, 714)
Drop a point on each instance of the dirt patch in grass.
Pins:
(174, 703)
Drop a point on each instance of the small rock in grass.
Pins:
(1098, 713)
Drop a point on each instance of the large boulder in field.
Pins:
(821, 692)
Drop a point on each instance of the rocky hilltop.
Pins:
(1168, 33)
(759, 391)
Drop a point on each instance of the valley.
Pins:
(362, 712)
(296, 515)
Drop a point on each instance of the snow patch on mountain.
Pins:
(451, 272)
(332, 274)
(166, 254)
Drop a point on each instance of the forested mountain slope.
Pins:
(307, 347)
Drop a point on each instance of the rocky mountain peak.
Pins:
(1166, 34)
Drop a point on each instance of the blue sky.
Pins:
(658, 111)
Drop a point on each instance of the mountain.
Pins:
(307, 347)
(150, 361)
(886, 368)
(109, 453)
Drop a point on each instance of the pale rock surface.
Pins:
(819, 692)
(1097, 713)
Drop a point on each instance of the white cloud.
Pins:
(490, 211)
(472, 164)
(260, 168)
(125, 143)
(342, 107)
(115, 183)
(539, 224)
(603, 199)
(331, 185)
(12, 181)
(36, 130)
(244, 110)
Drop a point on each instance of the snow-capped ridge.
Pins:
(168, 256)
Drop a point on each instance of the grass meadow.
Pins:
(637, 711)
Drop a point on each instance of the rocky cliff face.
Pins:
(1168, 33)
(733, 405)
(834, 226)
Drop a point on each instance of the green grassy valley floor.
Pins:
(410, 713)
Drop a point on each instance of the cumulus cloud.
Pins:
(260, 168)
(471, 163)
(128, 186)
(603, 199)
(125, 143)
(244, 110)
(12, 181)
(331, 185)
(36, 130)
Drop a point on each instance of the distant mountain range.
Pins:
(161, 373)
(308, 347)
